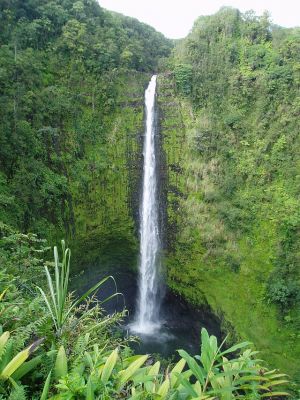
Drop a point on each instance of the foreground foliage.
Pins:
(208, 376)
(84, 359)
(26, 323)
(58, 304)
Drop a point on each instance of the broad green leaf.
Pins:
(142, 378)
(100, 369)
(126, 374)
(234, 348)
(274, 375)
(89, 360)
(154, 370)
(130, 359)
(251, 378)
(198, 388)
(15, 363)
(19, 359)
(3, 340)
(275, 383)
(164, 388)
(178, 368)
(27, 367)
(61, 363)
(152, 373)
(192, 363)
(109, 366)
(187, 385)
(213, 344)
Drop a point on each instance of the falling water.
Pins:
(147, 318)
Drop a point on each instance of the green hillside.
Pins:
(72, 79)
(230, 110)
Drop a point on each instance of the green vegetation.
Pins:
(57, 301)
(85, 360)
(72, 80)
(230, 106)
(26, 316)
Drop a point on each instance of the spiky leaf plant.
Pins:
(57, 300)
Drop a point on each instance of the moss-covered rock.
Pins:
(206, 261)
(105, 184)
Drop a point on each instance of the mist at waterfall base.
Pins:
(163, 324)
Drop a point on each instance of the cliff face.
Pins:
(71, 115)
(105, 195)
(208, 263)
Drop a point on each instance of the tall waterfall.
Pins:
(147, 318)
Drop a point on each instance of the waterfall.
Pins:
(147, 315)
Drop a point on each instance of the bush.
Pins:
(283, 293)
(183, 77)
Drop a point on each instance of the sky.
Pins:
(174, 18)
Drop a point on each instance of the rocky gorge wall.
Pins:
(207, 264)
(105, 195)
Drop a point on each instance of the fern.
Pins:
(23, 334)
(18, 393)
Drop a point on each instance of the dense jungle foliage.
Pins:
(232, 144)
(72, 80)
(56, 346)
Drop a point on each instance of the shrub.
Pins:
(183, 77)
(283, 293)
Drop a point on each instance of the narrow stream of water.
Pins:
(148, 302)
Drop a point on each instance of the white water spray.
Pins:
(147, 318)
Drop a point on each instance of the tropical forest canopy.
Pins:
(60, 65)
